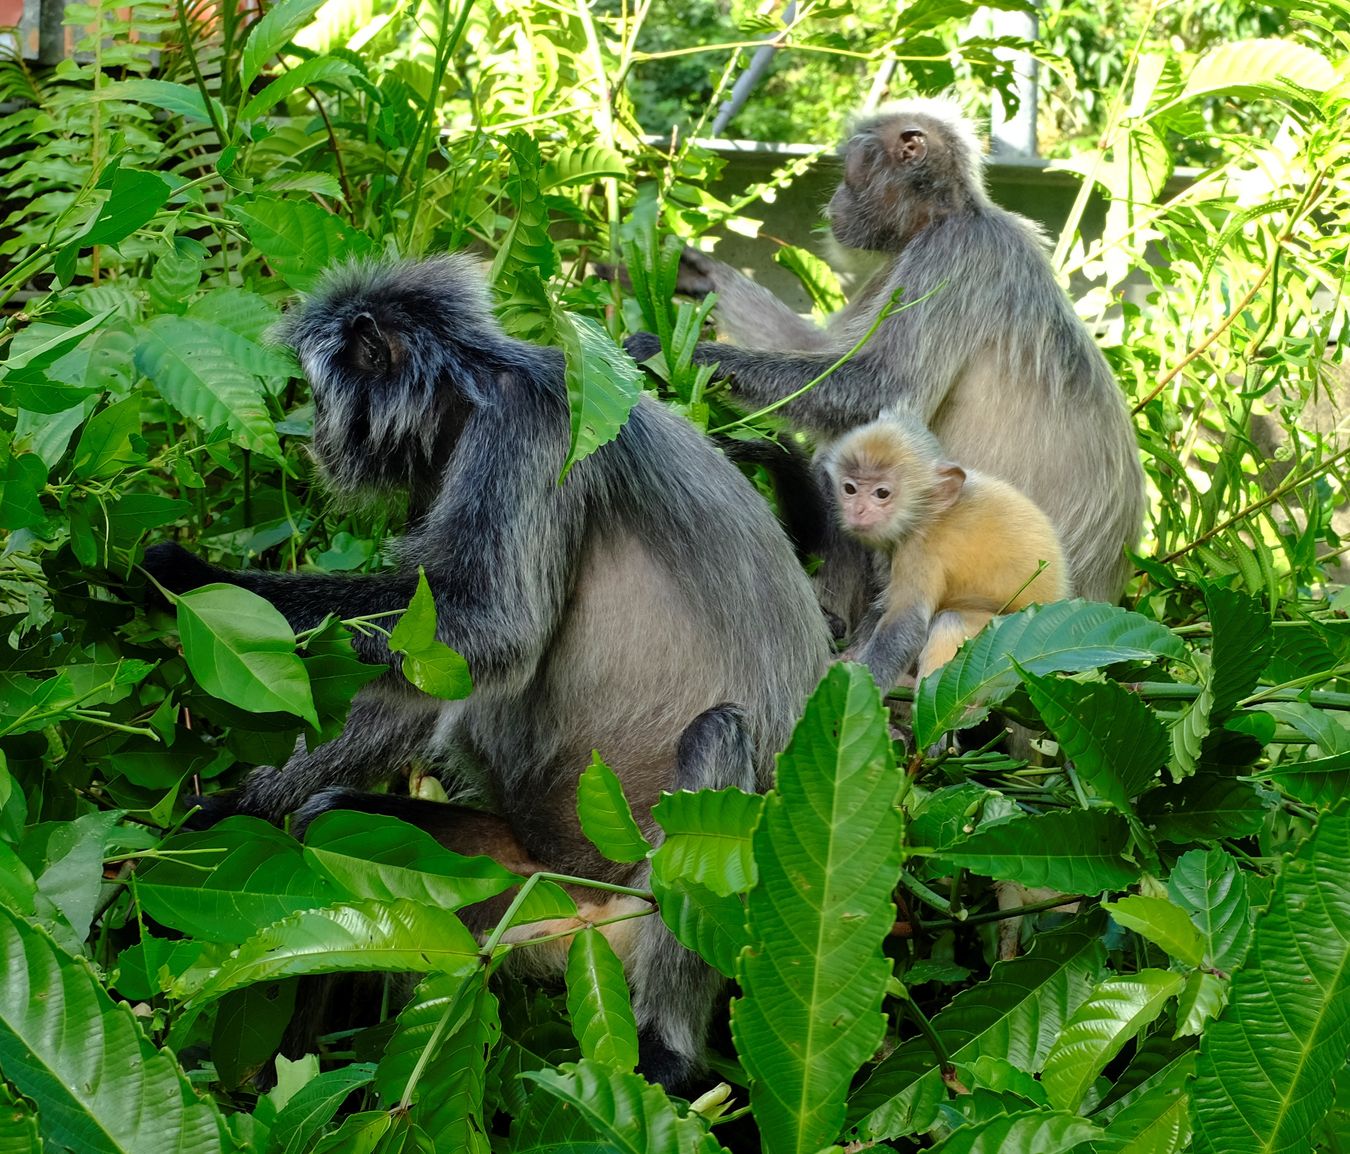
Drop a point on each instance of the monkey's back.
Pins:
(993, 543)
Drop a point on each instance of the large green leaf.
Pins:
(598, 1002)
(1248, 67)
(828, 853)
(222, 884)
(134, 197)
(603, 385)
(270, 35)
(249, 1027)
(452, 1023)
(242, 650)
(590, 1108)
(316, 70)
(708, 838)
(1033, 1132)
(1164, 924)
(429, 663)
(373, 856)
(1264, 1078)
(604, 814)
(1115, 741)
(194, 369)
(183, 100)
(299, 239)
(313, 1106)
(1015, 1015)
(351, 936)
(1211, 888)
(1203, 808)
(583, 164)
(712, 925)
(1112, 1015)
(1157, 1120)
(1063, 637)
(101, 1086)
(1075, 851)
(18, 1125)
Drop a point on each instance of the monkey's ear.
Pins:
(910, 146)
(950, 480)
(369, 348)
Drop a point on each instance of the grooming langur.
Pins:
(619, 611)
(962, 546)
(992, 357)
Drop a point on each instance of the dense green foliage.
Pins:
(193, 167)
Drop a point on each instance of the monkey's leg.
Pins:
(949, 630)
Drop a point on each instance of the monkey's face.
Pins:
(867, 506)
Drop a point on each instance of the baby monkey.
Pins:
(963, 547)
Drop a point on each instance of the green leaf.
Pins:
(712, 925)
(1241, 648)
(18, 1125)
(1038, 1131)
(1015, 1015)
(25, 478)
(708, 838)
(1114, 740)
(336, 674)
(299, 239)
(429, 664)
(313, 1106)
(1206, 807)
(583, 164)
(1203, 998)
(816, 276)
(241, 649)
(133, 200)
(1264, 1077)
(271, 34)
(316, 70)
(196, 370)
(1213, 891)
(598, 1002)
(176, 99)
(1162, 923)
(1252, 67)
(456, 1022)
(604, 814)
(603, 385)
(64, 1043)
(1074, 851)
(828, 852)
(221, 884)
(1156, 1122)
(398, 935)
(1114, 1013)
(248, 1030)
(1063, 637)
(589, 1107)
(105, 446)
(373, 856)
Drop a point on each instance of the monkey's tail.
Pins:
(802, 507)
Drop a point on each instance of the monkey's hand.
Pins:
(177, 570)
(696, 275)
(607, 271)
(642, 346)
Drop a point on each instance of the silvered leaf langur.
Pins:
(649, 607)
(994, 360)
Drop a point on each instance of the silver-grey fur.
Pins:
(619, 611)
(996, 362)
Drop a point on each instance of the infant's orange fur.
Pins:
(963, 546)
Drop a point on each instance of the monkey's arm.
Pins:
(747, 313)
(910, 600)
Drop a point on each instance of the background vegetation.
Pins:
(193, 166)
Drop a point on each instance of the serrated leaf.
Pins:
(221, 884)
(1157, 1122)
(316, 70)
(1074, 851)
(588, 1107)
(1206, 807)
(1112, 1015)
(313, 1106)
(1162, 923)
(603, 385)
(1015, 1015)
(1063, 637)
(454, 1021)
(605, 817)
(374, 856)
(401, 936)
(1247, 66)
(598, 1002)
(242, 650)
(712, 925)
(428, 663)
(1202, 999)
(298, 238)
(1241, 648)
(1211, 888)
(828, 853)
(194, 370)
(708, 838)
(819, 280)
(1041, 1131)
(271, 34)
(583, 164)
(248, 1030)
(177, 99)
(1264, 1077)
(65, 1044)
(1116, 743)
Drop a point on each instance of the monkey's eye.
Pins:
(850, 488)
(883, 492)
